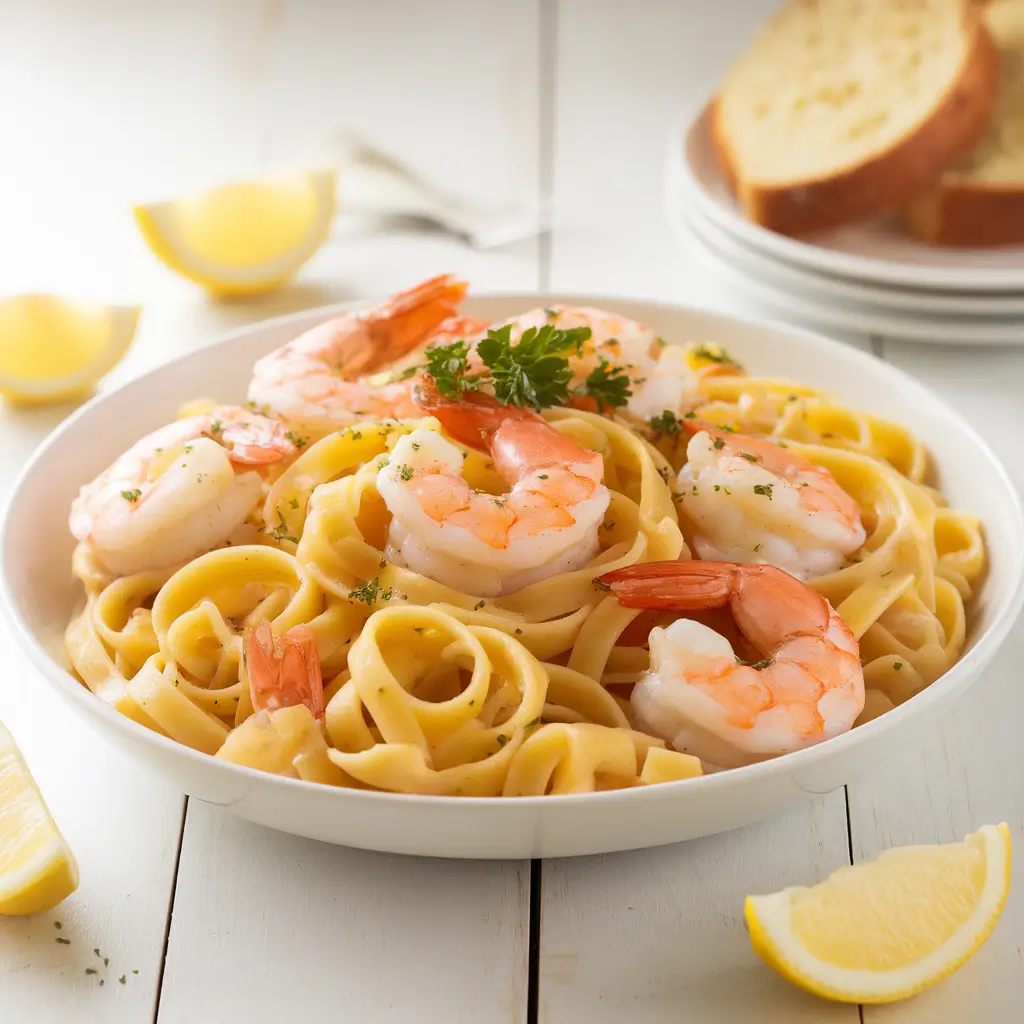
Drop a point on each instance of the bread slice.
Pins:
(980, 201)
(842, 109)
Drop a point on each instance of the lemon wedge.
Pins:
(889, 928)
(37, 870)
(53, 348)
(243, 238)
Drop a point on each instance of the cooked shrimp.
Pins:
(490, 544)
(179, 491)
(661, 376)
(752, 500)
(702, 699)
(320, 381)
(284, 674)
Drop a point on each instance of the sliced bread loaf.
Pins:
(842, 109)
(980, 201)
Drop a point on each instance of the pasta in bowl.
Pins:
(522, 549)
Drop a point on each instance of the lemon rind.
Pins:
(157, 224)
(123, 324)
(768, 918)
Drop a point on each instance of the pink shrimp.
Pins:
(284, 674)
(487, 544)
(807, 685)
(320, 382)
(753, 500)
(180, 491)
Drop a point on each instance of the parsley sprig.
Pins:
(449, 365)
(533, 372)
(608, 385)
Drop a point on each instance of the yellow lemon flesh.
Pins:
(37, 870)
(889, 928)
(244, 238)
(53, 348)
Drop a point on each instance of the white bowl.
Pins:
(40, 594)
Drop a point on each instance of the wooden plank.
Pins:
(969, 773)
(122, 824)
(368, 937)
(657, 935)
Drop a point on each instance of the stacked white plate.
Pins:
(870, 278)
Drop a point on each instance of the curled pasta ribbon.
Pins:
(335, 456)
(583, 758)
(122, 621)
(288, 741)
(155, 690)
(91, 660)
(432, 731)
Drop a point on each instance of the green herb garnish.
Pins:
(369, 592)
(765, 489)
(666, 423)
(533, 371)
(713, 354)
(449, 365)
(280, 532)
(608, 385)
(131, 495)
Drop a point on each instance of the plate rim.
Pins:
(805, 254)
(895, 326)
(862, 292)
(960, 674)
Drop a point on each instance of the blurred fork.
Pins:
(375, 184)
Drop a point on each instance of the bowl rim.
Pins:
(938, 692)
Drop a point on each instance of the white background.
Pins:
(106, 103)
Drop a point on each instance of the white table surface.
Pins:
(105, 103)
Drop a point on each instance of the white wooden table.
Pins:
(102, 104)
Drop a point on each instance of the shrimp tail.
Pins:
(286, 675)
(473, 418)
(300, 668)
(675, 586)
(401, 324)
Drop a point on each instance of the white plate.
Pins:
(39, 595)
(876, 251)
(876, 298)
(834, 315)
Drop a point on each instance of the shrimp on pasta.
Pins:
(661, 376)
(752, 500)
(180, 491)
(320, 382)
(487, 544)
(801, 682)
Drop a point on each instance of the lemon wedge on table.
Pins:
(53, 348)
(37, 869)
(243, 238)
(889, 928)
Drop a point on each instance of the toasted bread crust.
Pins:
(891, 179)
(971, 214)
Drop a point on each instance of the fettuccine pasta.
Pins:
(414, 668)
